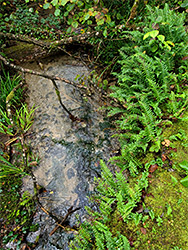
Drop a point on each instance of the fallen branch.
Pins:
(70, 211)
(47, 45)
(50, 77)
(32, 72)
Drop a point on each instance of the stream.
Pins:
(69, 151)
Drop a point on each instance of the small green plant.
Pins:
(5, 123)
(7, 169)
(157, 41)
(169, 210)
(24, 118)
(20, 123)
(159, 220)
(151, 214)
(176, 248)
(184, 166)
(15, 120)
(7, 85)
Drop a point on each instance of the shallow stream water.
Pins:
(69, 151)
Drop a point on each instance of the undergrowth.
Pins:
(151, 91)
(17, 206)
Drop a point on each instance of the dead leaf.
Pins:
(153, 167)
(163, 157)
(143, 230)
(184, 58)
(166, 143)
(33, 163)
(155, 26)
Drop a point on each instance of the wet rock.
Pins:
(69, 152)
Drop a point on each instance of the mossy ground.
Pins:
(166, 200)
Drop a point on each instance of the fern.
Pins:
(176, 107)
(96, 234)
(144, 89)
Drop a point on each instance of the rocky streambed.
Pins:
(69, 151)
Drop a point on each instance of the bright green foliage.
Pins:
(15, 120)
(7, 169)
(144, 85)
(184, 165)
(150, 90)
(115, 189)
(24, 118)
(19, 123)
(7, 84)
(16, 210)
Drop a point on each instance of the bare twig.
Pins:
(133, 11)
(70, 211)
(71, 116)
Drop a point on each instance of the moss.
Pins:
(19, 50)
(169, 203)
(178, 149)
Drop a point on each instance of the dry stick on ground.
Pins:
(70, 211)
(50, 77)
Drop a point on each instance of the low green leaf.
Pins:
(154, 48)
(75, 24)
(100, 22)
(105, 33)
(184, 165)
(86, 17)
(69, 30)
(70, 7)
(66, 13)
(184, 4)
(89, 22)
(169, 210)
(151, 214)
(152, 33)
(46, 6)
(174, 180)
(171, 43)
(155, 147)
(80, 4)
(70, 21)
(159, 19)
(54, 2)
(161, 38)
(57, 12)
(63, 2)
(184, 181)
